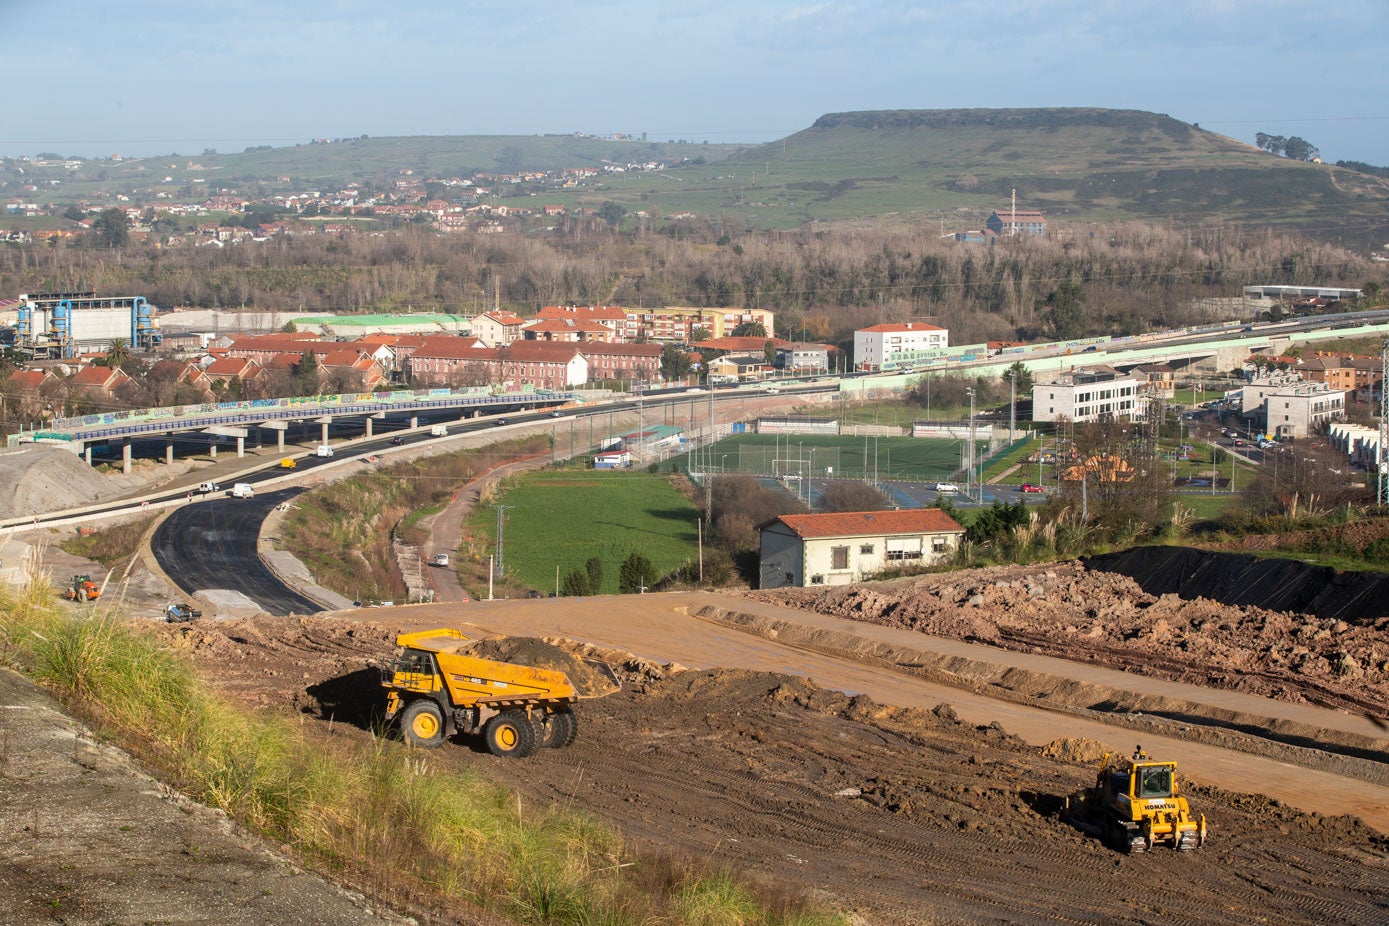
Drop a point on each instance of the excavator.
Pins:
(1135, 806)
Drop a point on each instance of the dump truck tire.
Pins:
(560, 729)
(511, 734)
(422, 724)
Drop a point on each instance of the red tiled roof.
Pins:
(29, 379)
(98, 376)
(590, 312)
(903, 326)
(869, 523)
(505, 318)
(741, 343)
(232, 366)
(566, 325)
(603, 348)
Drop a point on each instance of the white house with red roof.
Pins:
(496, 329)
(800, 550)
(897, 344)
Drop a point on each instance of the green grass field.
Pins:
(896, 458)
(560, 519)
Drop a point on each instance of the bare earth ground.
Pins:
(901, 814)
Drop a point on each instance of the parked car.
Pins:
(1030, 487)
(947, 487)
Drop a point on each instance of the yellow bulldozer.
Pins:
(1135, 806)
(436, 689)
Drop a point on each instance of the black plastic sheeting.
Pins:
(1243, 579)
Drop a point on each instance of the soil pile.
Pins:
(48, 479)
(1065, 610)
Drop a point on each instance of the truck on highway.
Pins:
(438, 430)
(323, 450)
(243, 490)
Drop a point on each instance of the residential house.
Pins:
(800, 550)
(538, 364)
(566, 330)
(498, 328)
(230, 376)
(614, 318)
(32, 391)
(99, 383)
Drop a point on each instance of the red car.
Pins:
(1030, 487)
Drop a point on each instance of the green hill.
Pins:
(1087, 164)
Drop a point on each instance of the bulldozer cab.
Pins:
(1154, 781)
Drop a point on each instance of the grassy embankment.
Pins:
(374, 813)
(343, 532)
(562, 518)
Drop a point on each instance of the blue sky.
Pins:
(153, 76)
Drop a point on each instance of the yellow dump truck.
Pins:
(1135, 805)
(436, 689)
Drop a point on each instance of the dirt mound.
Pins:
(1078, 750)
(44, 479)
(589, 679)
(1066, 610)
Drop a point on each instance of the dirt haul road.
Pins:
(909, 813)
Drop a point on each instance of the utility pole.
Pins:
(501, 523)
(969, 475)
(1382, 490)
(1012, 405)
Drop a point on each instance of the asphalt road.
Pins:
(212, 546)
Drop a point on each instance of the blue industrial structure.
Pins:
(62, 325)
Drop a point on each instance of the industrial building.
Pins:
(65, 325)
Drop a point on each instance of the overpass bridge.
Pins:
(237, 420)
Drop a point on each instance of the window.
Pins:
(839, 557)
(866, 549)
(940, 544)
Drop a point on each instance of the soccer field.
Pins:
(900, 459)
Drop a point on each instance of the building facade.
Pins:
(895, 345)
(800, 550)
(1086, 395)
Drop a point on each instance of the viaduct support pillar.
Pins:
(125, 456)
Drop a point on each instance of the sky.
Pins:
(93, 78)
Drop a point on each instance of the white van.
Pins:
(323, 451)
(243, 490)
(206, 488)
(438, 431)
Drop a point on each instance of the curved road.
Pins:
(210, 547)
